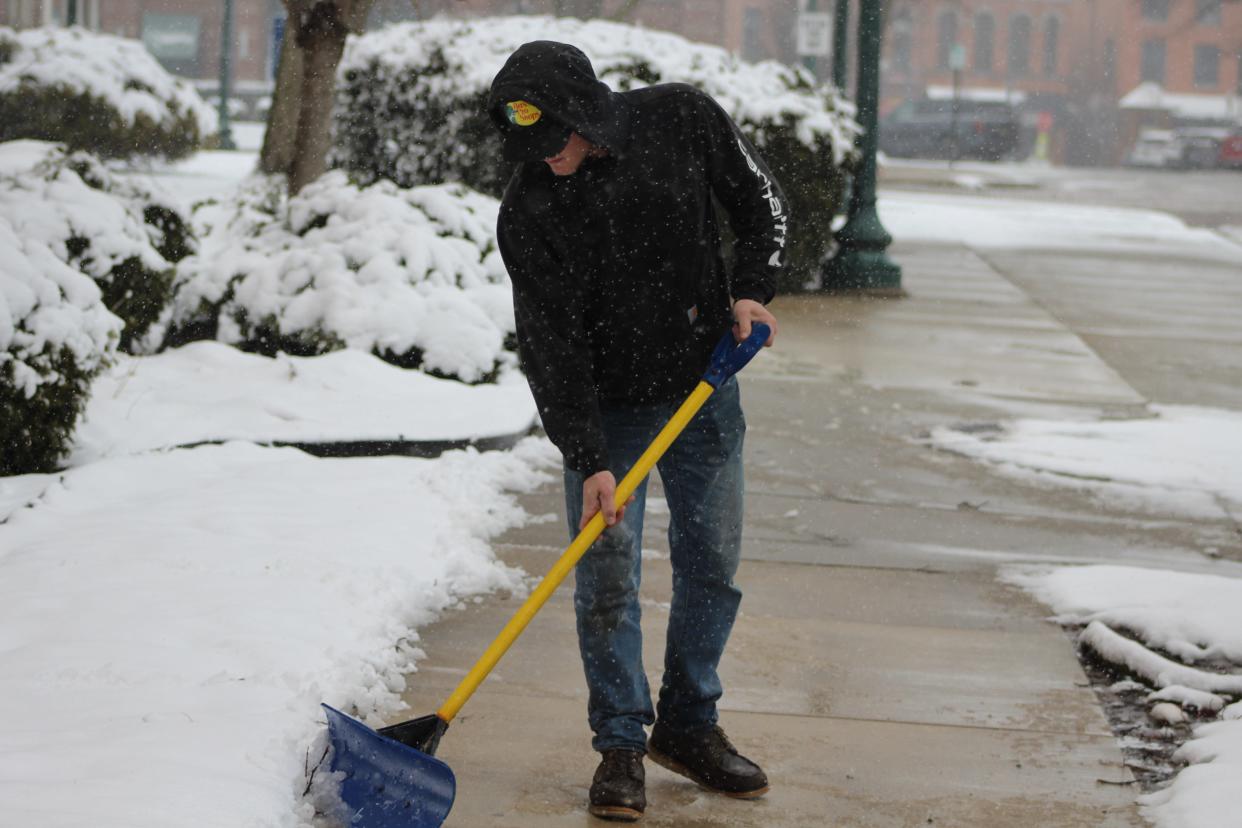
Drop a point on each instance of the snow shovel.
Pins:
(391, 776)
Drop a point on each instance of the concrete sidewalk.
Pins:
(880, 672)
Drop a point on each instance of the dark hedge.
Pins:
(409, 130)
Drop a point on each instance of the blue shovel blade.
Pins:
(387, 784)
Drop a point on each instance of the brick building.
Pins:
(1079, 61)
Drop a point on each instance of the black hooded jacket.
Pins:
(619, 283)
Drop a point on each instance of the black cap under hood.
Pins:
(559, 80)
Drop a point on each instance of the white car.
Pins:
(1154, 148)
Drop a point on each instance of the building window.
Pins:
(946, 39)
(1207, 12)
(1156, 10)
(1019, 46)
(1052, 37)
(1110, 62)
(985, 42)
(1207, 65)
(1152, 68)
(752, 34)
(174, 41)
(243, 43)
(903, 42)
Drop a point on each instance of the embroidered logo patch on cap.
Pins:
(522, 113)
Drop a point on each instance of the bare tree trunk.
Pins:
(321, 38)
(282, 120)
(316, 30)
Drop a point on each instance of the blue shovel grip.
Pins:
(729, 358)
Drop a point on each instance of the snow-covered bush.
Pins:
(115, 230)
(96, 92)
(411, 104)
(412, 275)
(55, 335)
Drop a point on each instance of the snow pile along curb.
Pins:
(1195, 618)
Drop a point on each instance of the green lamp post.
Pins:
(861, 265)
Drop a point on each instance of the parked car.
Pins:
(1231, 151)
(941, 128)
(1153, 148)
(1198, 148)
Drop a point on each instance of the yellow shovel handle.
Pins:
(629, 484)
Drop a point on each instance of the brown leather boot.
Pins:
(705, 756)
(618, 790)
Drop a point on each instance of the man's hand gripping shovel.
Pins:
(391, 776)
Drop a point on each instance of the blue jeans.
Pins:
(702, 477)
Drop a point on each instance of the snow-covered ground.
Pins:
(207, 391)
(170, 622)
(1182, 461)
(171, 619)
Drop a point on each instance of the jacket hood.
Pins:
(559, 81)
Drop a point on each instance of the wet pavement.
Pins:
(880, 671)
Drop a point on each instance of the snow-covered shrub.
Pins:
(411, 104)
(55, 335)
(96, 92)
(112, 228)
(412, 275)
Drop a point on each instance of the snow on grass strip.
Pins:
(1157, 669)
(170, 622)
(1179, 461)
(209, 392)
(1021, 224)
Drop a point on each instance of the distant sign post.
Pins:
(957, 62)
(814, 34)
